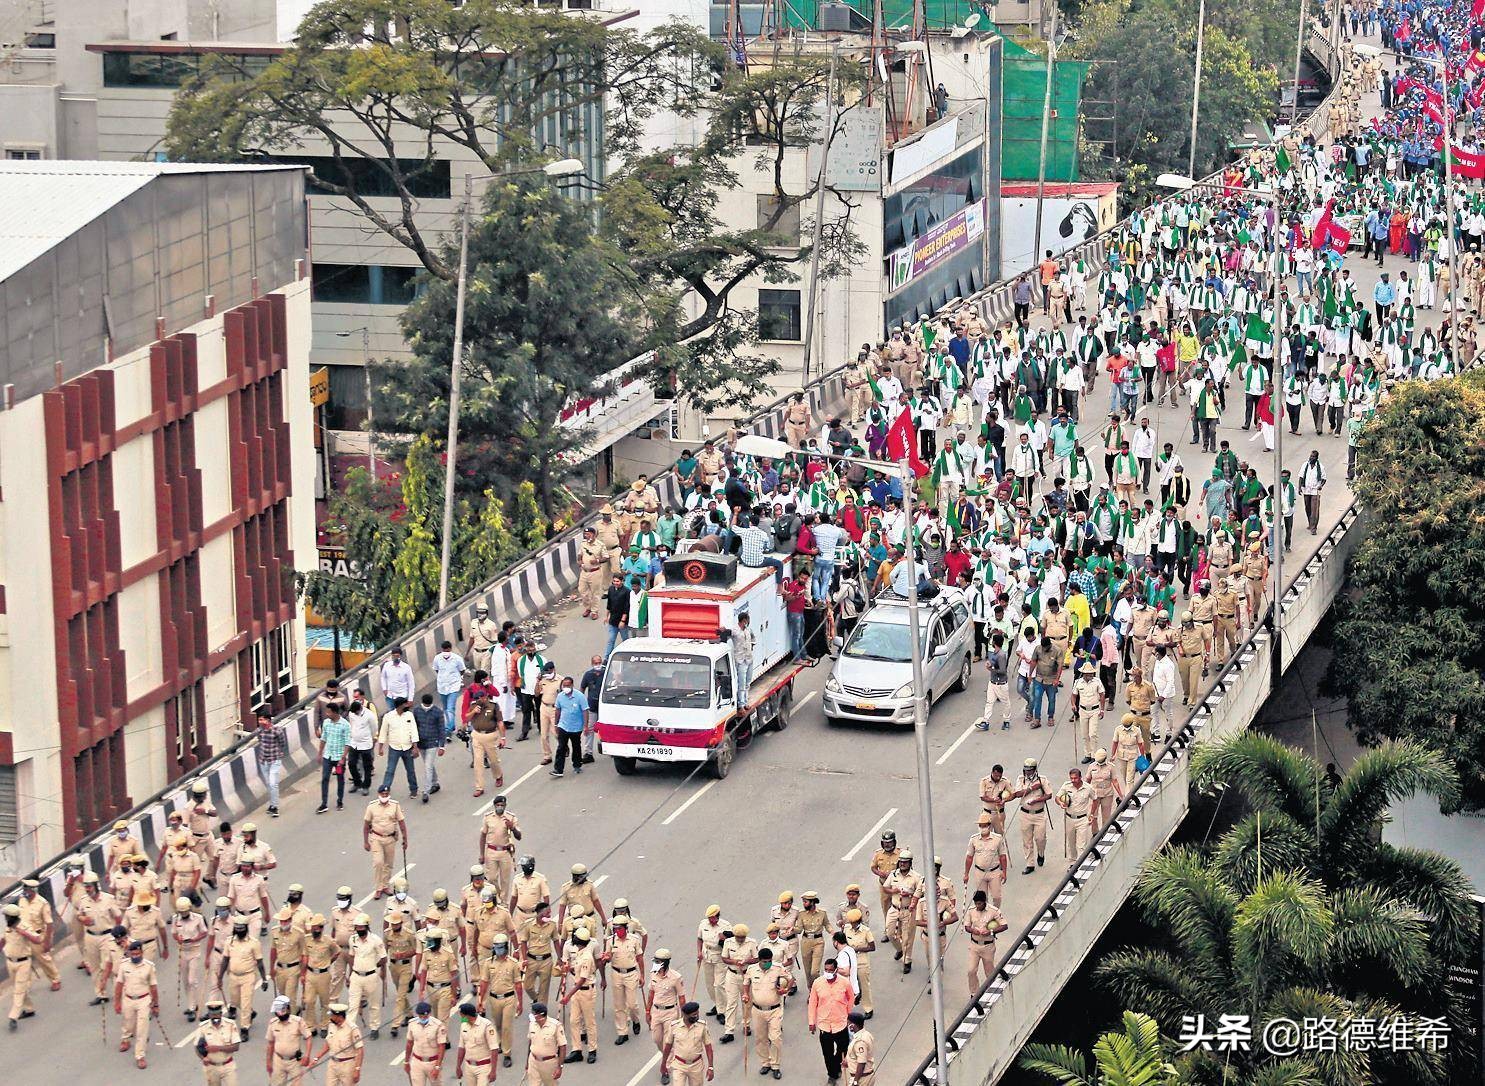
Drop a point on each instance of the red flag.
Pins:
(1328, 232)
(1477, 9)
(902, 443)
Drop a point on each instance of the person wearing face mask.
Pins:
(286, 1050)
(578, 890)
(500, 992)
(499, 833)
(136, 996)
(121, 844)
(146, 925)
(286, 955)
(217, 1046)
(830, 1004)
(687, 1057)
(321, 956)
(248, 892)
(20, 939)
(368, 973)
(546, 1048)
(623, 956)
(427, 1040)
(663, 1004)
(536, 936)
(738, 952)
(95, 913)
(572, 717)
(218, 932)
(342, 926)
(764, 989)
(242, 964)
(579, 978)
(402, 904)
(380, 828)
(401, 940)
(438, 973)
(861, 1052)
(478, 1042)
(528, 890)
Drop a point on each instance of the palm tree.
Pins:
(1136, 1056)
(1332, 834)
(1287, 948)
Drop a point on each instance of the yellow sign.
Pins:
(319, 386)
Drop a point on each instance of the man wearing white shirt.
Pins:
(396, 678)
(448, 672)
(398, 741)
(1143, 446)
(1311, 482)
(361, 747)
(1167, 691)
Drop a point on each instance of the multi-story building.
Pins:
(156, 478)
(96, 79)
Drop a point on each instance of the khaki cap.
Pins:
(223, 903)
(854, 888)
(786, 896)
(621, 903)
(399, 883)
(477, 871)
(713, 910)
(581, 932)
(338, 1009)
(182, 904)
(296, 888)
(740, 930)
(285, 913)
(90, 878)
(662, 955)
(1129, 718)
(317, 921)
(362, 919)
(145, 897)
(853, 916)
(773, 927)
(121, 825)
(577, 910)
(984, 819)
(1101, 755)
(1087, 668)
(200, 788)
(579, 869)
(12, 910)
(343, 891)
(1030, 763)
(905, 855)
(250, 827)
(501, 939)
(440, 894)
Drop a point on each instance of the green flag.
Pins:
(1328, 304)
(1258, 330)
(876, 389)
(1282, 160)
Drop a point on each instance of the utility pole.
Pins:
(454, 367)
(1201, 32)
(1041, 169)
(814, 299)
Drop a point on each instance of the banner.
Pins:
(955, 234)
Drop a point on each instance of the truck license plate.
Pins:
(652, 751)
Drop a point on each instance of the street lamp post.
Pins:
(365, 331)
(1041, 168)
(809, 317)
(757, 445)
(565, 167)
(1201, 29)
(1277, 404)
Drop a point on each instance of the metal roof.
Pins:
(43, 203)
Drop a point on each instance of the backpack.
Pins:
(786, 533)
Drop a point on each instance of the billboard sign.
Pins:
(955, 234)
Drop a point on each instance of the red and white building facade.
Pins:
(156, 487)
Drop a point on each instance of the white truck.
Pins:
(669, 695)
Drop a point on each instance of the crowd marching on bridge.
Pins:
(1085, 541)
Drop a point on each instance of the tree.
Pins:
(1409, 657)
(1135, 43)
(1137, 1055)
(381, 93)
(546, 318)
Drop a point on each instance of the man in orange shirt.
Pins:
(830, 1005)
(1048, 268)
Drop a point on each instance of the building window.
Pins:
(173, 68)
(10, 823)
(778, 315)
(281, 647)
(347, 407)
(260, 675)
(23, 154)
(363, 284)
(428, 179)
(785, 232)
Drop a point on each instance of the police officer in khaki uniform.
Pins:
(1225, 631)
(663, 1002)
(987, 861)
(499, 833)
(687, 1057)
(860, 1063)
(546, 1048)
(1255, 570)
(286, 1047)
(859, 938)
(489, 920)
(1033, 792)
(342, 926)
(486, 740)
(579, 891)
(484, 633)
(764, 988)
(787, 917)
(710, 934)
(146, 925)
(201, 815)
(241, 968)
(607, 534)
(427, 1041)
(783, 953)
(380, 827)
(814, 928)
(529, 889)
(1076, 798)
(344, 1048)
(1128, 746)
(217, 1045)
(136, 997)
(500, 992)
(1140, 695)
(401, 941)
(852, 901)
(536, 936)
(438, 973)
(883, 863)
(248, 893)
(20, 939)
(623, 959)
(402, 904)
(1106, 786)
(594, 572)
(982, 923)
(738, 952)
(948, 909)
(120, 845)
(1191, 656)
(96, 913)
(1087, 707)
(286, 956)
(443, 915)
(474, 1060)
(36, 914)
(367, 978)
(904, 886)
(321, 953)
(858, 390)
(577, 993)
(995, 790)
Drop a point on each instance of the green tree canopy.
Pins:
(1409, 657)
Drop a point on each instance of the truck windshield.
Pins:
(657, 678)
(880, 641)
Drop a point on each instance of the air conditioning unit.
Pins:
(840, 18)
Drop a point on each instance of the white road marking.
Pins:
(396, 875)
(522, 779)
(400, 1057)
(645, 1070)
(599, 881)
(800, 703)
(703, 790)
(190, 1038)
(870, 836)
(946, 755)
